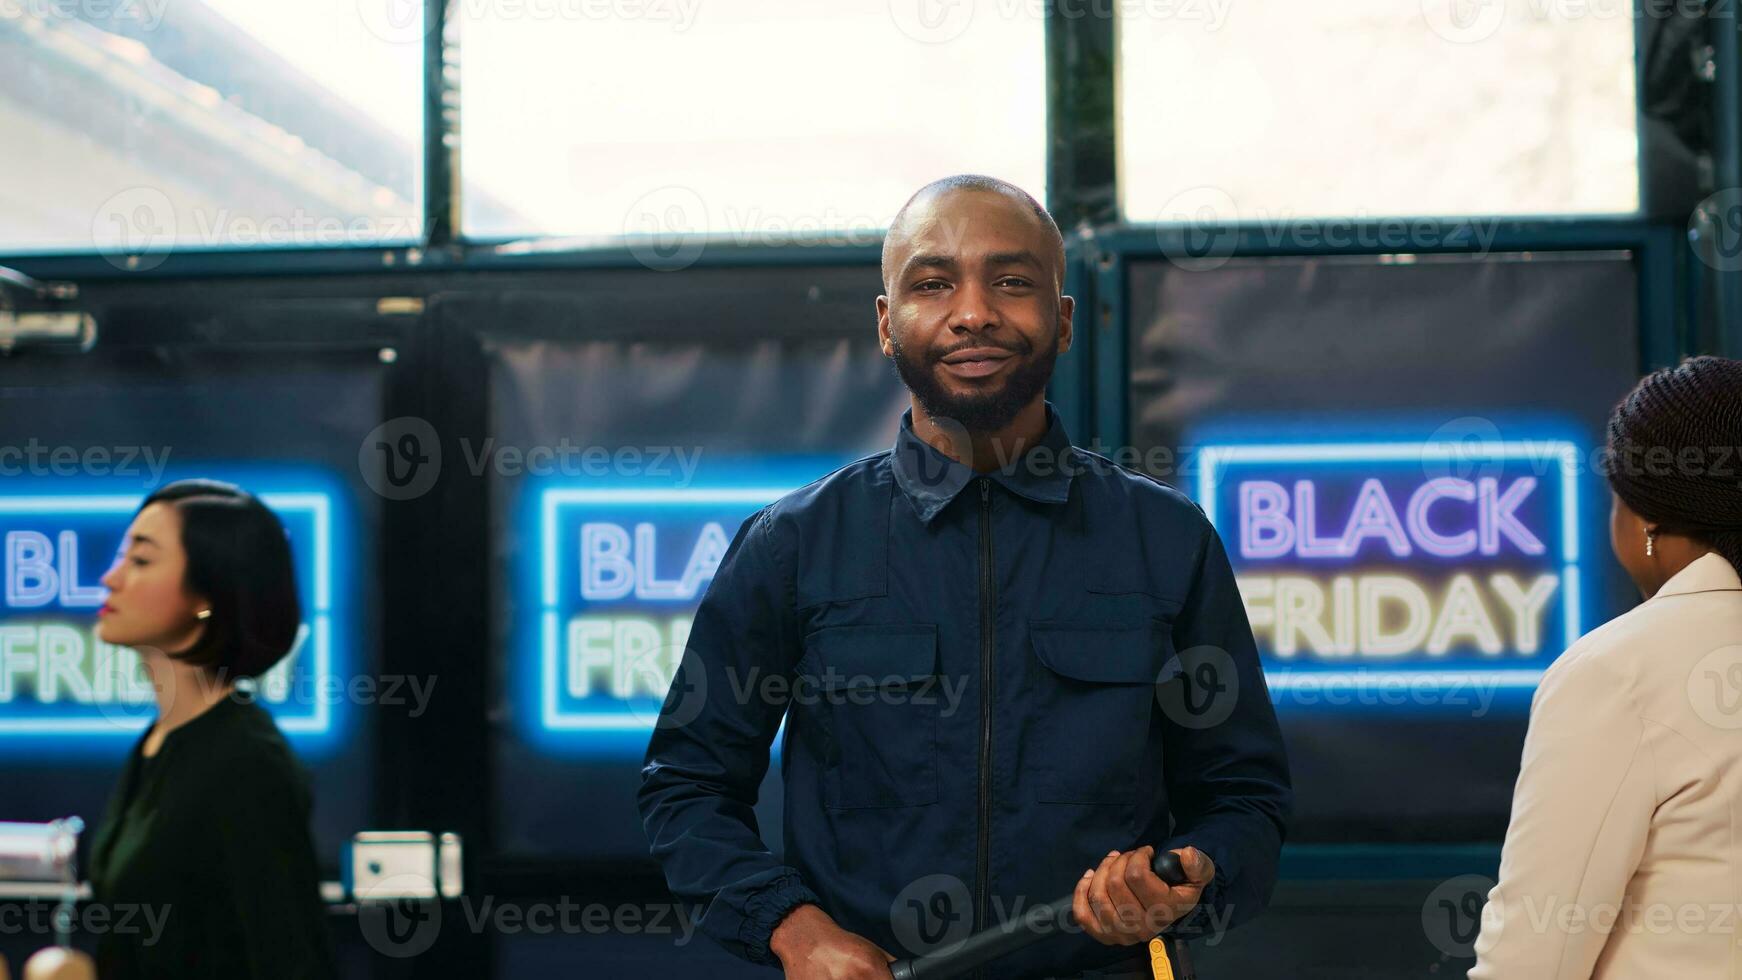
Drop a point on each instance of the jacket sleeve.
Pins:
(1225, 765)
(709, 750)
(1581, 813)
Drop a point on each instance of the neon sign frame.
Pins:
(552, 716)
(1214, 459)
(317, 505)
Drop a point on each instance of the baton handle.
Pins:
(990, 943)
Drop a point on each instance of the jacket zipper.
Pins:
(983, 878)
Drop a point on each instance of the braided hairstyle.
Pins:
(1675, 452)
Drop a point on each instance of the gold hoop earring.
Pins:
(203, 614)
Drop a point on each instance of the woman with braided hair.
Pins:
(1674, 505)
(1624, 854)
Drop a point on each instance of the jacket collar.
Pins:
(931, 480)
(1704, 574)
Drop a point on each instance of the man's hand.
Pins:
(1123, 902)
(812, 947)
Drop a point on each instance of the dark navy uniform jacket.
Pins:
(988, 681)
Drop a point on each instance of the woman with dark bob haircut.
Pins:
(1624, 856)
(207, 834)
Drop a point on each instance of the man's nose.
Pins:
(973, 308)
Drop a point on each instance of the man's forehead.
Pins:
(966, 236)
(952, 214)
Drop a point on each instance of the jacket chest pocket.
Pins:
(879, 700)
(1094, 699)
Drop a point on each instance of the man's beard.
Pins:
(987, 411)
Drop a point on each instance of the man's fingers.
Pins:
(1197, 865)
(1146, 886)
(1128, 910)
(1100, 905)
(1080, 909)
(1123, 899)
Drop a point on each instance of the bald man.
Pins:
(1006, 664)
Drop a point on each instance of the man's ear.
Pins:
(883, 340)
(1067, 308)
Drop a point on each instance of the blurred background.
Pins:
(444, 281)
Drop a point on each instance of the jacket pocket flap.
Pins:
(874, 656)
(1107, 655)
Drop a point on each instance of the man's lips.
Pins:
(976, 362)
(976, 354)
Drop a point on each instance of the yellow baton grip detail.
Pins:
(1159, 964)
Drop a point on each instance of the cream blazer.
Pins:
(1624, 855)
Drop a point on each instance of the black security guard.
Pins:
(1005, 664)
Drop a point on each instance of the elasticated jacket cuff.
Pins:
(764, 909)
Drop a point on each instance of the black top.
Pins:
(204, 857)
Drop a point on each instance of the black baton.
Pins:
(988, 944)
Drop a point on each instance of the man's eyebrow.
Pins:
(929, 260)
(933, 260)
(1013, 258)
